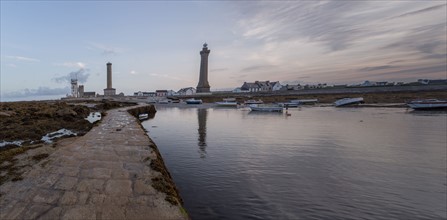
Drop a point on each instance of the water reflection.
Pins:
(201, 116)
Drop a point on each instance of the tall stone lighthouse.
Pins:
(109, 91)
(203, 85)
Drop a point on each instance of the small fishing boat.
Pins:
(252, 101)
(143, 116)
(164, 101)
(289, 104)
(193, 101)
(348, 101)
(427, 104)
(304, 101)
(266, 107)
(226, 103)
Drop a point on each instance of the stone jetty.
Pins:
(105, 174)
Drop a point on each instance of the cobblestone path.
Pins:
(103, 175)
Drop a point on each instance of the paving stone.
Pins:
(80, 212)
(144, 188)
(69, 198)
(36, 210)
(96, 199)
(112, 212)
(53, 213)
(91, 185)
(47, 196)
(119, 187)
(97, 173)
(66, 183)
(120, 174)
(82, 198)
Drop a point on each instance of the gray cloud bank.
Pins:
(82, 76)
(41, 91)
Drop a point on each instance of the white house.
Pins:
(276, 86)
(187, 91)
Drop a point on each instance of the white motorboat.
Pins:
(348, 101)
(252, 101)
(193, 101)
(143, 116)
(226, 104)
(289, 104)
(164, 101)
(427, 104)
(266, 107)
(304, 101)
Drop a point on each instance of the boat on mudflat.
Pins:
(428, 104)
(193, 101)
(266, 107)
(348, 101)
(143, 116)
(304, 101)
(289, 104)
(252, 101)
(226, 103)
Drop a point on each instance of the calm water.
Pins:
(321, 162)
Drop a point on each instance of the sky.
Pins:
(155, 45)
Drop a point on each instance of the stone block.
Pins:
(69, 198)
(119, 187)
(66, 183)
(47, 196)
(91, 185)
(79, 212)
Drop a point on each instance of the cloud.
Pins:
(218, 69)
(169, 77)
(41, 91)
(424, 10)
(20, 58)
(374, 68)
(256, 67)
(82, 76)
(133, 72)
(72, 64)
(105, 50)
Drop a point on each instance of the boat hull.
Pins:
(427, 106)
(226, 104)
(193, 102)
(259, 108)
(348, 101)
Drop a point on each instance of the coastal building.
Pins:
(81, 91)
(74, 88)
(161, 93)
(276, 86)
(109, 91)
(171, 93)
(250, 87)
(187, 91)
(89, 95)
(203, 86)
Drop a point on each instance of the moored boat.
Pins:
(252, 101)
(348, 101)
(193, 101)
(226, 103)
(289, 104)
(427, 104)
(304, 101)
(266, 107)
(143, 116)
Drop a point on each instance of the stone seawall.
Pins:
(113, 172)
